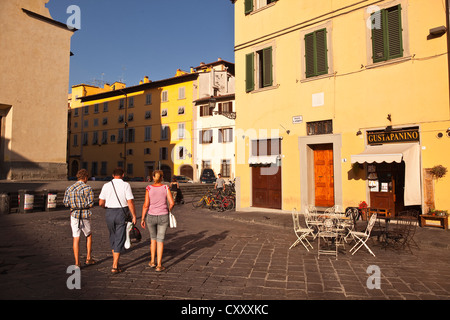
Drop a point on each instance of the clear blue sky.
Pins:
(129, 39)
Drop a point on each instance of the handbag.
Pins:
(132, 232)
(127, 216)
(172, 220)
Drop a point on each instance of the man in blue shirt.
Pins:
(80, 198)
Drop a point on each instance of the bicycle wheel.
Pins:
(228, 204)
(198, 201)
(216, 205)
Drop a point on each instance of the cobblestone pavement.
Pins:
(220, 256)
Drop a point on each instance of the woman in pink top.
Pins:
(155, 207)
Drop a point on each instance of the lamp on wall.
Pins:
(438, 31)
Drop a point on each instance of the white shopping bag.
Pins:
(128, 241)
(172, 220)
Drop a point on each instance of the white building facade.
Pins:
(214, 125)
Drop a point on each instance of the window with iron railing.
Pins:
(319, 127)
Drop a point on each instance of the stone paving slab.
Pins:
(240, 256)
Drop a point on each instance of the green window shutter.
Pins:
(248, 6)
(378, 39)
(249, 72)
(387, 30)
(267, 67)
(321, 52)
(309, 55)
(316, 53)
(394, 32)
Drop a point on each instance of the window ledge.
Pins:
(265, 89)
(388, 62)
(323, 76)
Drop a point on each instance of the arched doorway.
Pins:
(187, 170)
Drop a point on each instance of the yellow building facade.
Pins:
(140, 128)
(340, 102)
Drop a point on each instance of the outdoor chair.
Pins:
(339, 209)
(401, 235)
(353, 213)
(312, 221)
(362, 237)
(312, 209)
(329, 211)
(328, 233)
(301, 232)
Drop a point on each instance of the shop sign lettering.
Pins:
(393, 136)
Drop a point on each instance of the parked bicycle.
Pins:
(214, 200)
(208, 200)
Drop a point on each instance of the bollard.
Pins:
(50, 200)
(4, 203)
(26, 201)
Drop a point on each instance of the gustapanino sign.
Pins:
(377, 137)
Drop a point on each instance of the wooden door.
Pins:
(187, 171)
(266, 187)
(324, 175)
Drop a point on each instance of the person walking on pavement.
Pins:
(117, 197)
(174, 186)
(157, 212)
(80, 198)
(220, 183)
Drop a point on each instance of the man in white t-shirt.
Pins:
(220, 183)
(117, 197)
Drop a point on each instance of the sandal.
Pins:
(161, 268)
(90, 261)
(116, 270)
(151, 265)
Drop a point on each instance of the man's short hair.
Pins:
(118, 172)
(82, 174)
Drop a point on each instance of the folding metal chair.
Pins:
(362, 237)
(301, 232)
(312, 221)
(328, 232)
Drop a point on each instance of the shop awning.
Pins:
(263, 160)
(382, 153)
(396, 152)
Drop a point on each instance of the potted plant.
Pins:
(438, 171)
(363, 209)
(439, 213)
